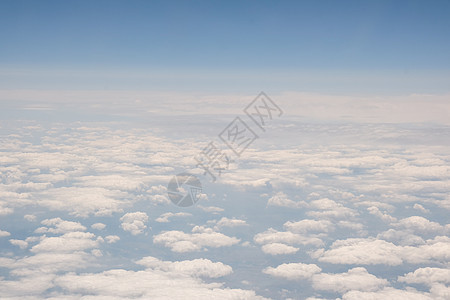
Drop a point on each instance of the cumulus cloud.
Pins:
(97, 252)
(375, 251)
(84, 201)
(5, 210)
(4, 233)
(361, 251)
(226, 222)
(44, 263)
(273, 236)
(387, 293)
(421, 225)
(211, 209)
(440, 291)
(327, 208)
(293, 271)
(114, 182)
(159, 199)
(351, 225)
(49, 256)
(34, 273)
(112, 239)
(162, 282)
(98, 226)
(30, 218)
(373, 210)
(400, 237)
(26, 287)
(68, 242)
(155, 282)
(421, 208)
(57, 225)
(427, 276)
(20, 243)
(354, 279)
(281, 199)
(307, 225)
(164, 218)
(179, 241)
(278, 248)
(158, 194)
(134, 222)
(197, 267)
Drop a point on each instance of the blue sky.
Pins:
(212, 39)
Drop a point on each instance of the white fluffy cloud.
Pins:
(164, 218)
(160, 280)
(307, 225)
(374, 251)
(20, 243)
(158, 194)
(400, 237)
(112, 239)
(427, 276)
(388, 293)
(421, 208)
(278, 248)
(66, 243)
(421, 225)
(26, 287)
(354, 279)
(226, 222)
(114, 182)
(149, 284)
(84, 201)
(327, 208)
(4, 233)
(273, 236)
(98, 226)
(293, 271)
(72, 250)
(361, 251)
(281, 199)
(30, 218)
(382, 215)
(179, 241)
(211, 209)
(57, 225)
(197, 267)
(135, 223)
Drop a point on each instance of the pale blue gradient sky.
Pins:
(376, 47)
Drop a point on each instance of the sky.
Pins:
(170, 44)
(319, 132)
